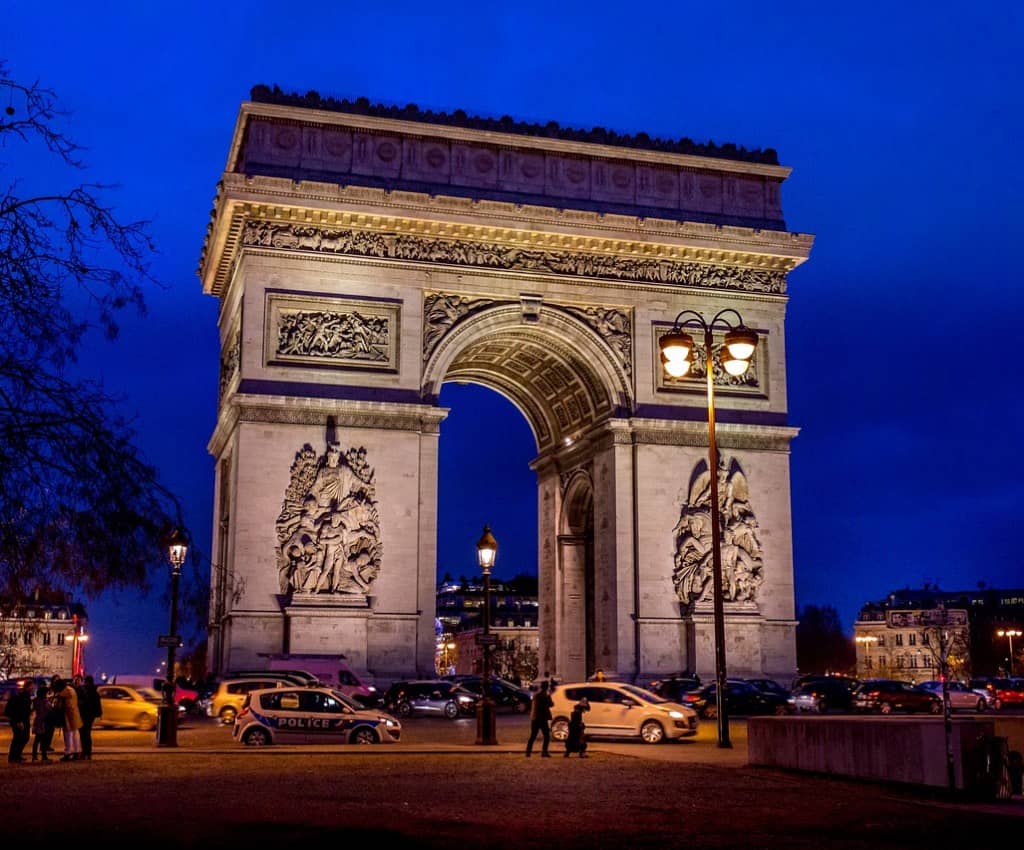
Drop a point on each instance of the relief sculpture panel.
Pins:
(742, 561)
(328, 531)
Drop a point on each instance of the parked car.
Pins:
(1008, 691)
(429, 698)
(987, 690)
(124, 705)
(741, 698)
(770, 686)
(226, 701)
(961, 697)
(620, 710)
(822, 694)
(674, 687)
(506, 695)
(887, 696)
(305, 715)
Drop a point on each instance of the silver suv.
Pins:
(226, 701)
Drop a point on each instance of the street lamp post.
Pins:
(167, 726)
(1010, 634)
(486, 553)
(677, 357)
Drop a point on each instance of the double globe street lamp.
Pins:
(167, 726)
(1010, 634)
(677, 348)
(486, 553)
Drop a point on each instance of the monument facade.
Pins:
(363, 256)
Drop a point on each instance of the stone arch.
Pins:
(557, 371)
(577, 580)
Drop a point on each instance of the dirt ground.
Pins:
(270, 798)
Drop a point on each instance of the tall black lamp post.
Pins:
(486, 553)
(167, 725)
(676, 357)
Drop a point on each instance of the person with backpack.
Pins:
(576, 741)
(43, 724)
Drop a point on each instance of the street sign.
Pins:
(487, 640)
(165, 641)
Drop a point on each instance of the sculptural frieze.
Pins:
(328, 531)
(332, 335)
(325, 240)
(742, 561)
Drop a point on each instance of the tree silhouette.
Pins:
(821, 644)
(80, 509)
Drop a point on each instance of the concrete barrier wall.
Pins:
(892, 749)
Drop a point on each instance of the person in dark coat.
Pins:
(576, 741)
(42, 723)
(540, 720)
(19, 712)
(91, 709)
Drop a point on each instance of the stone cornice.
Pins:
(771, 253)
(311, 411)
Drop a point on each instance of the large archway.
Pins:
(363, 261)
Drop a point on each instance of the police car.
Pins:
(305, 715)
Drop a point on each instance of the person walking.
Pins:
(540, 720)
(576, 741)
(68, 698)
(42, 723)
(91, 709)
(19, 712)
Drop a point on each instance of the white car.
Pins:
(961, 697)
(620, 710)
(303, 715)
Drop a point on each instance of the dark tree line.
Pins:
(821, 644)
(81, 509)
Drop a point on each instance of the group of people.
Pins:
(37, 712)
(540, 724)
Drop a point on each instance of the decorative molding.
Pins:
(337, 332)
(310, 238)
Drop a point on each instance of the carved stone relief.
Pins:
(441, 310)
(334, 332)
(742, 562)
(328, 531)
(614, 327)
(301, 237)
(230, 362)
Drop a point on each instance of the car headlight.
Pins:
(388, 721)
(465, 700)
(676, 715)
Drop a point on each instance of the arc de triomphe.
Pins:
(362, 256)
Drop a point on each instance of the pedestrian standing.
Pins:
(42, 723)
(72, 719)
(540, 720)
(19, 712)
(91, 709)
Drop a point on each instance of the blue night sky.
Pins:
(902, 123)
